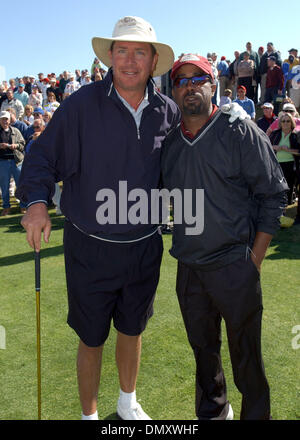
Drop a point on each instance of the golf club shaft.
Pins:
(38, 328)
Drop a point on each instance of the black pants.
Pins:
(232, 292)
(247, 82)
(290, 177)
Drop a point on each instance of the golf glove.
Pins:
(235, 111)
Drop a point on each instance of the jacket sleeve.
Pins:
(53, 157)
(19, 140)
(20, 108)
(264, 176)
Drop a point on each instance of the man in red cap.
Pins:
(245, 102)
(243, 192)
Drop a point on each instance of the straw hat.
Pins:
(138, 30)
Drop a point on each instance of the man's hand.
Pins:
(235, 111)
(35, 221)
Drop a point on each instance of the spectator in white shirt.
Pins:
(35, 98)
(45, 85)
(72, 86)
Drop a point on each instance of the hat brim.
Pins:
(165, 61)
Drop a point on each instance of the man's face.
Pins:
(37, 116)
(41, 76)
(9, 94)
(236, 54)
(249, 46)
(269, 47)
(132, 65)
(241, 94)
(37, 125)
(271, 63)
(4, 122)
(13, 117)
(268, 112)
(193, 99)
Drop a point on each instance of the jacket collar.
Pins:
(154, 97)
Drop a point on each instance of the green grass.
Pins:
(166, 380)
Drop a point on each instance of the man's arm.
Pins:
(259, 248)
(267, 185)
(53, 157)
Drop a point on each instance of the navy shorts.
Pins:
(110, 281)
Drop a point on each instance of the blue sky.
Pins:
(52, 36)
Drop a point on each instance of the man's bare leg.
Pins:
(128, 355)
(88, 375)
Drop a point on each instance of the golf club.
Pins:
(38, 326)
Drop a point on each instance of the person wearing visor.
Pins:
(219, 263)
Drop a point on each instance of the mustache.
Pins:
(192, 93)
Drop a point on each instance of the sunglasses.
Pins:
(197, 81)
(286, 121)
(289, 111)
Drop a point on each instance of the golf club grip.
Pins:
(37, 270)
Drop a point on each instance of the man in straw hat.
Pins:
(106, 136)
(219, 268)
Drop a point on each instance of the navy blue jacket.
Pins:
(92, 143)
(244, 189)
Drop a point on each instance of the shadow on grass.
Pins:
(12, 224)
(112, 416)
(29, 256)
(286, 244)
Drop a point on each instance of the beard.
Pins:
(192, 108)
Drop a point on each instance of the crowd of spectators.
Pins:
(264, 74)
(263, 79)
(26, 107)
(253, 79)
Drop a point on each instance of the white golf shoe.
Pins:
(230, 413)
(133, 412)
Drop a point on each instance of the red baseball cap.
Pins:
(196, 60)
(242, 88)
